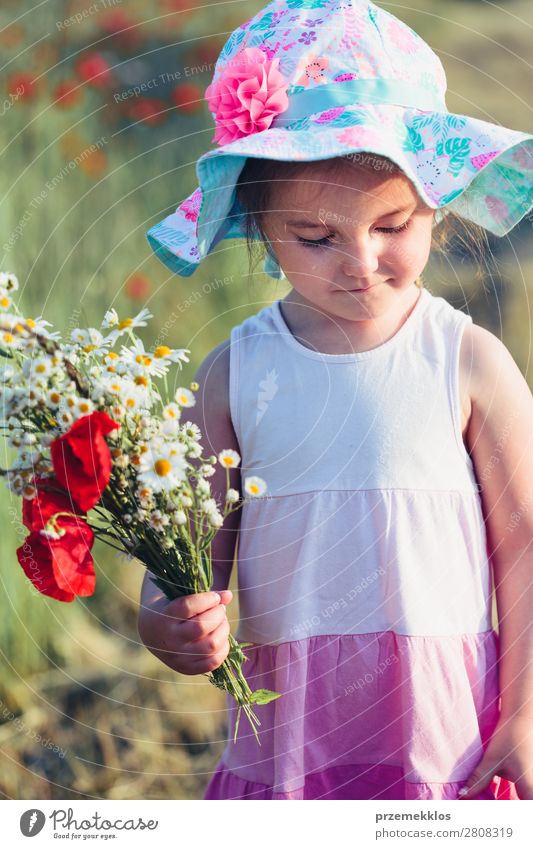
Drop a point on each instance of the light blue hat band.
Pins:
(350, 92)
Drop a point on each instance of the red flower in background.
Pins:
(187, 97)
(138, 286)
(149, 110)
(22, 85)
(123, 27)
(82, 460)
(67, 93)
(61, 568)
(94, 69)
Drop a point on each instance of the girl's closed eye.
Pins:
(326, 240)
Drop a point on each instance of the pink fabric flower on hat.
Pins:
(247, 96)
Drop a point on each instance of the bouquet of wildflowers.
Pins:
(93, 431)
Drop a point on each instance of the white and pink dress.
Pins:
(364, 582)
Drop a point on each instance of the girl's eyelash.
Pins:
(326, 240)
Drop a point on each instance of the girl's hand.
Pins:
(509, 754)
(189, 634)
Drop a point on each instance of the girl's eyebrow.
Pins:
(312, 224)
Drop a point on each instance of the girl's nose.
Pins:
(360, 257)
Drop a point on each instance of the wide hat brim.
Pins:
(476, 169)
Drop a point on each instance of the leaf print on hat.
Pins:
(457, 150)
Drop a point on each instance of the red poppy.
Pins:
(67, 93)
(149, 110)
(61, 568)
(187, 97)
(22, 85)
(81, 458)
(121, 26)
(50, 499)
(94, 69)
(138, 286)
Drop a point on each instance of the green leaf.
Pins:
(413, 142)
(263, 697)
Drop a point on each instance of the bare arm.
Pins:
(500, 440)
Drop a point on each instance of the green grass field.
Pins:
(123, 725)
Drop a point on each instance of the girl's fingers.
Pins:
(202, 625)
(214, 643)
(187, 606)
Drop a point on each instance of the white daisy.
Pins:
(90, 340)
(184, 397)
(254, 486)
(110, 319)
(8, 281)
(172, 411)
(191, 431)
(141, 361)
(140, 320)
(37, 369)
(53, 398)
(5, 300)
(229, 459)
(82, 407)
(163, 467)
(173, 355)
(39, 325)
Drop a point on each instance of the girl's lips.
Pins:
(367, 289)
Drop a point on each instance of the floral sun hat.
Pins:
(305, 80)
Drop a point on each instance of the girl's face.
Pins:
(364, 230)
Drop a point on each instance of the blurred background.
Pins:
(87, 167)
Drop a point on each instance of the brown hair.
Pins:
(254, 186)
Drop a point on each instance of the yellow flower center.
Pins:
(55, 397)
(228, 461)
(141, 380)
(112, 355)
(41, 368)
(89, 348)
(126, 323)
(130, 402)
(8, 338)
(254, 488)
(84, 407)
(162, 351)
(183, 399)
(5, 302)
(162, 467)
(30, 322)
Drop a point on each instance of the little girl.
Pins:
(393, 433)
